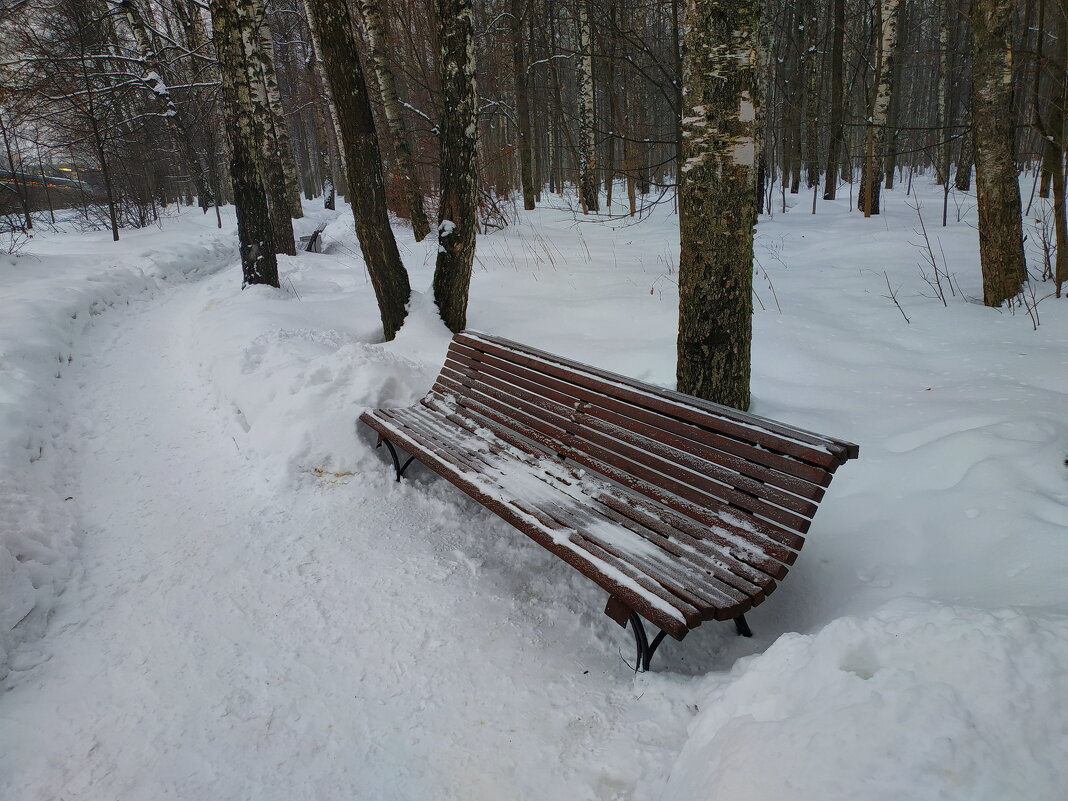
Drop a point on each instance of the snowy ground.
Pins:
(210, 588)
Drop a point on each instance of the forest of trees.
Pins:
(475, 110)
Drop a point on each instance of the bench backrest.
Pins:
(709, 462)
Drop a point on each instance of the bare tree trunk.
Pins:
(875, 146)
(522, 105)
(1000, 229)
(587, 151)
(834, 150)
(942, 164)
(341, 64)
(717, 203)
(279, 133)
(458, 212)
(813, 83)
(244, 134)
(250, 16)
(1053, 149)
(376, 32)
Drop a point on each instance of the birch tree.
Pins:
(375, 31)
(363, 162)
(245, 134)
(717, 200)
(1000, 230)
(458, 211)
(876, 142)
(587, 152)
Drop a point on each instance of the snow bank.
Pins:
(294, 367)
(50, 293)
(919, 701)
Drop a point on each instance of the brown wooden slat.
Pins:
(760, 542)
(691, 580)
(440, 462)
(655, 576)
(747, 577)
(555, 413)
(531, 379)
(675, 494)
(683, 482)
(680, 577)
(766, 556)
(549, 436)
(845, 450)
(691, 468)
(798, 444)
(716, 561)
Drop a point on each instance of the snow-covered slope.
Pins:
(264, 613)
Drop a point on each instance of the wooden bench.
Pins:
(313, 242)
(682, 510)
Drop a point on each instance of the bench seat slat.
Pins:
(803, 445)
(688, 576)
(531, 379)
(754, 579)
(681, 463)
(670, 613)
(763, 554)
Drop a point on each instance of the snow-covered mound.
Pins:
(918, 701)
(49, 295)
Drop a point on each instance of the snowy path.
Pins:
(225, 641)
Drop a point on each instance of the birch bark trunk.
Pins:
(376, 33)
(1000, 228)
(244, 135)
(250, 20)
(522, 105)
(717, 200)
(875, 147)
(363, 162)
(587, 151)
(280, 138)
(458, 211)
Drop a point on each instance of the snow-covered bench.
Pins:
(681, 509)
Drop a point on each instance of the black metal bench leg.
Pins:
(645, 649)
(742, 626)
(400, 468)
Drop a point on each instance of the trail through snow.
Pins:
(224, 643)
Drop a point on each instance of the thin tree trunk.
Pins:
(250, 17)
(587, 151)
(522, 105)
(1000, 230)
(717, 203)
(1053, 152)
(279, 128)
(458, 211)
(834, 150)
(376, 32)
(876, 144)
